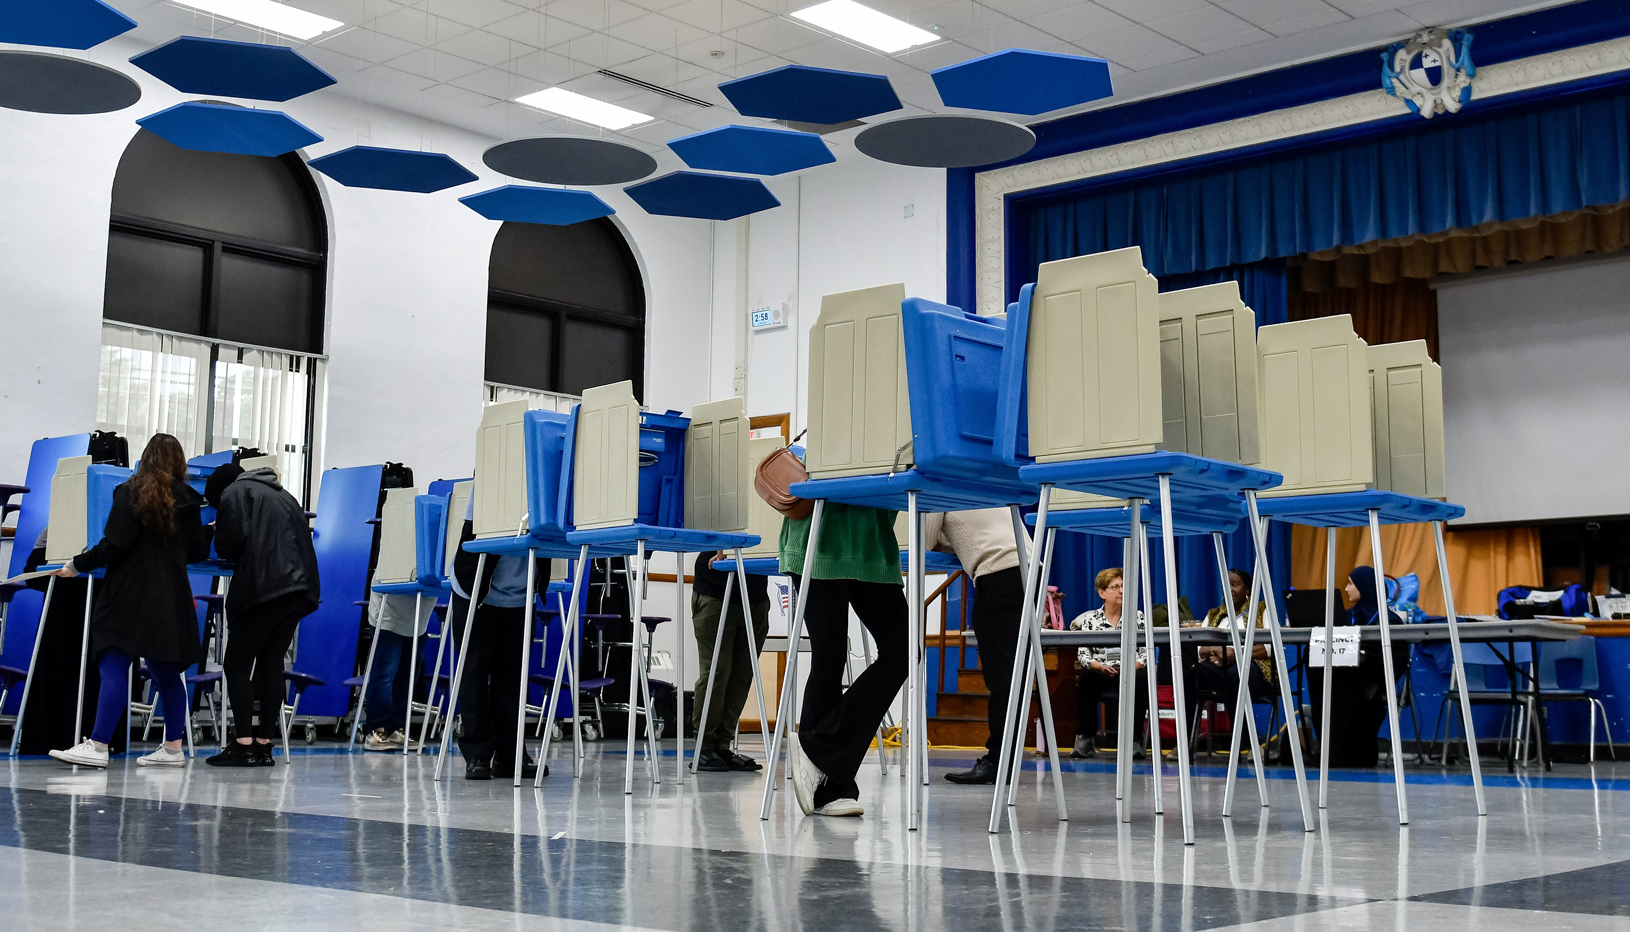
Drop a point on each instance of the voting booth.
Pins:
(500, 471)
(859, 406)
(1314, 396)
(721, 458)
(1406, 391)
(398, 559)
(1208, 363)
(607, 458)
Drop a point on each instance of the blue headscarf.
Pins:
(1365, 611)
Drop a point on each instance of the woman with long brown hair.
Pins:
(145, 609)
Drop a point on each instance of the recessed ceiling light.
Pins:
(276, 17)
(566, 103)
(865, 25)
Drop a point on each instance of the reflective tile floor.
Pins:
(368, 842)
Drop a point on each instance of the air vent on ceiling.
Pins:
(820, 129)
(655, 89)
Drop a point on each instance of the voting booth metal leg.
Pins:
(637, 679)
(1185, 790)
(33, 660)
(1150, 673)
(458, 668)
(362, 697)
(713, 667)
(413, 677)
(1030, 644)
(789, 680)
(679, 667)
(526, 662)
(435, 671)
(1328, 687)
(914, 678)
(1021, 656)
(753, 653)
(568, 632)
(1286, 697)
(1385, 617)
(920, 632)
(1126, 711)
(84, 661)
(1242, 663)
(1036, 667)
(1243, 702)
(1460, 672)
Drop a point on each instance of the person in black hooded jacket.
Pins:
(262, 528)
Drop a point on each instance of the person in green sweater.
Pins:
(856, 565)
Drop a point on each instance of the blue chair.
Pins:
(1558, 656)
(1488, 682)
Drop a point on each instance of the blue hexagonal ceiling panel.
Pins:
(521, 204)
(1023, 81)
(811, 95)
(702, 196)
(221, 68)
(62, 24)
(393, 169)
(225, 128)
(752, 150)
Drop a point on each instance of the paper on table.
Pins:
(1345, 643)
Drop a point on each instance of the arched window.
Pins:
(565, 310)
(213, 305)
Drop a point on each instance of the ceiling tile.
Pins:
(731, 53)
(1268, 12)
(440, 66)
(502, 85)
(546, 68)
(1197, 26)
(1129, 43)
(600, 51)
(836, 53)
(1361, 8)
(1081, 22)
(1031, 9)
(537, 30)
(716, 15)
(484, 47)
(1327, 17)
(459, 95)
(477, 13)
(1156, 59)
(1145, 11)
(418, 26)
(354, 12)
(777, 35)
(1013, 35)
(655, 31)
(960, 18)
(661, 70)
(939, 55)
(398, 77)
(595, 14)
(367, 45)
(333, 62)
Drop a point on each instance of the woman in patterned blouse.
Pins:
(1099, 679)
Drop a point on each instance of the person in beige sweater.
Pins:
(983, 541)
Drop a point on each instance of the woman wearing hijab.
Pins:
(1358, 699)
(146, 608)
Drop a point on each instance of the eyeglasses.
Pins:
(1114, 586)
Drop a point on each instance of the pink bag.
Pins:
(1055, 609)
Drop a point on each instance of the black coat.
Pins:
(263, 529)
(144, 606)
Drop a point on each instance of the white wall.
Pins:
(407, 295)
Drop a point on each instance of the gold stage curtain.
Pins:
(1382, 313)
(1481, 563)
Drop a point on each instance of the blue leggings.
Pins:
(114, 666)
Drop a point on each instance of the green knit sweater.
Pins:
(856, 543)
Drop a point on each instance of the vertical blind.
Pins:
(547, 401)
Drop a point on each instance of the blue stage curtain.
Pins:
(1544, 158)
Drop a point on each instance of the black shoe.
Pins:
(477, 769)
(983, 772)
(713, 762)
(742, 763)
(506, 770)
(234, 755)
(263, 754)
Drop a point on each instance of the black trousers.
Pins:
(836, 726)
(256, 643)
(491, 684)
(1096, 687)
(998, 602)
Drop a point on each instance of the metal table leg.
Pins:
(458, 668)
(783, 715)
(1385, 615)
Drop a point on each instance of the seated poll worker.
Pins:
(1217, 671)
(1358, 705)
(146, 608)
(856, 565)
(490, 686)
(1100, 676)
(733, 678)
(983, 542)
(263, 530)
(385, 707)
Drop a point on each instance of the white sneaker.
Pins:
(377, 740)
(87, 753)
(400, 740)
(806, 777)
(841, 807)
(163, 757)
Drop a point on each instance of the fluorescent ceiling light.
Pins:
(275, 17)
(865, 25)
(566, 103)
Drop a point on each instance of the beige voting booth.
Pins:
(269, 461)
(859, 410)
(1208, 366)
(458, 502)
(500, 471)
(605, 477)
(66, 534)
(720, 460)
(398, 562)
(1406, 391)
(1094, 358)
(1314, 396)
